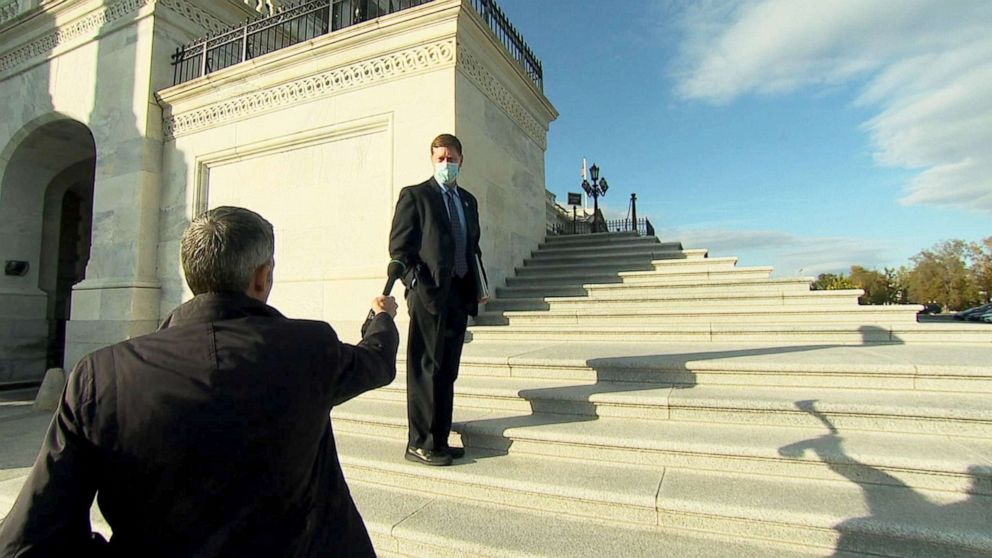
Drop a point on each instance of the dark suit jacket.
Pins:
(421, 239)
(210, 437)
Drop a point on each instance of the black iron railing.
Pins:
(643, 228)
(303, 21)
(514, 43)
(294, 23)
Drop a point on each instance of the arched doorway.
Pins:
(46, 201)
(66, 238)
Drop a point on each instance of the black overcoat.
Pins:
(210, 437)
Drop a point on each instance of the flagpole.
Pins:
(585, 197)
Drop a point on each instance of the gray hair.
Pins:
(222, 248)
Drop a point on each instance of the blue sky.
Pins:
(801, 134)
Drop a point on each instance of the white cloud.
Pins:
(786, 253)
(925, 64)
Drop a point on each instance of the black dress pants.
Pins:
(434, 348)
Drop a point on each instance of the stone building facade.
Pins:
(103, 160)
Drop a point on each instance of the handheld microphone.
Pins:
(394, 271)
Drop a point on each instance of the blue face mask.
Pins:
(445, 173)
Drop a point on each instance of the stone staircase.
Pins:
(586, 436)
(630, 288)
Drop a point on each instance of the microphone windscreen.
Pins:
(396, 269)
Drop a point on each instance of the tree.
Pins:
(941, 275)
(831, 282)
(877, 287)
(981, 268)
(899, 281)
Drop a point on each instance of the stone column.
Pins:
(119, 297)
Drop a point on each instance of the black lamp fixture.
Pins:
(597, 188)
(16, 268)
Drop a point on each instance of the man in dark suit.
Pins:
(210, 437)
(435, 234)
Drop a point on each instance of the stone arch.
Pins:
(46, 199)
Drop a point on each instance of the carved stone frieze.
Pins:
(472, 67)
(333, 81)
(192, 12)
(87, 25)
(8, 9)
(69, 32)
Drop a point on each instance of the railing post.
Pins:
(177, 64)
(244, 42)
(633, 211)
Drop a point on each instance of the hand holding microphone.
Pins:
(394, 271)
(384, 302)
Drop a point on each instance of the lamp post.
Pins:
(597, 188)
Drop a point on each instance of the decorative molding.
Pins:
(488, 84)
(69, 32)
(195, 14)
(92, 22)
(327, 83)
(119, 283)
(8, 10)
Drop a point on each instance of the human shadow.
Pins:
(653, 372)
(901, 521)
(875, 335)
(651, 380)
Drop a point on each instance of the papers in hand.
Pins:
(481, 281)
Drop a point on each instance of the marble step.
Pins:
(662, 262)
(581, 270)
(686, 286)
(663, 276)
(664, 299)
(590, 263)
(925, 461)
(617, 492)
(829, 514)
(916, 412)
(785, 334)
(878, 520)
(410, 522)
(607, 315)
(598, 239)
(924, 368)
(703, 264)
(550, 281)
(651, 263)
(664, 251)
(562, 290)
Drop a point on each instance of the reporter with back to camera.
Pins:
(211, 436)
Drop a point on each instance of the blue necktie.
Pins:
(461, 266)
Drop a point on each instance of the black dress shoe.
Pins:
(455, 453)
(427, 457)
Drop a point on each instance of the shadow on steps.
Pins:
(901, 518)
(493, 434)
